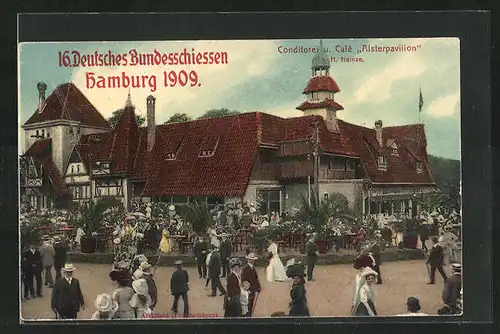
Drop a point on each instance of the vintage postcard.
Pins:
(240, 178)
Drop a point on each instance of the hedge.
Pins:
(188, 260)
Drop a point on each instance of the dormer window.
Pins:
(382, 162)
(393, 148)
(206, 153)
(419, 166)
(170, 156)
(208, 148)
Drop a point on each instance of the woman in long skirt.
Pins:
(298, 303)
(275, 271)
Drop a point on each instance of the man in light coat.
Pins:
(48, 254)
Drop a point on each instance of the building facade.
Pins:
(73, 156)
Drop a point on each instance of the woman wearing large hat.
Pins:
(298, 304)
(364, 299)
(106, 307)
(123, 294)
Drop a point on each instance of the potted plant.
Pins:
(90, 222)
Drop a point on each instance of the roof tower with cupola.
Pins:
(320, 91)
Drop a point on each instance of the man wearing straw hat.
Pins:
(452, 288)
(249, 274)
(67, 297)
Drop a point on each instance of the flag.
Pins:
(420, 101)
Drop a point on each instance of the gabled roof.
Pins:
(121, 147)
(67, 103)
(400, 168)
(40, 151)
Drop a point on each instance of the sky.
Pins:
(260, 75)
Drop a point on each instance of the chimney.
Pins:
(150, 103)
(331, 121)
(378, 130)
(42, 87)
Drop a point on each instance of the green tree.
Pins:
(116, 116)
(178, 118)
(319, 212)
(446, 174)
(199, 216)
(218, 113)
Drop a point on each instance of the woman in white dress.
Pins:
(275, 271)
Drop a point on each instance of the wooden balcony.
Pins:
(333, 174)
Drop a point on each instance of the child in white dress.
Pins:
(245, 287)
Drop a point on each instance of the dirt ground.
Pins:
(329, 295)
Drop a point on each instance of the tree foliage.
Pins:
(218, 113)
(179, 117)
(199, 216)
(116, 116)
(446, 174)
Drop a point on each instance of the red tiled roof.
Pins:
(41, 152)
(68, 103)
(235, 140)
(40, 148)
(121, 146)
(55, 178)
(321, 83)
(91, 143)
(326, 103)
(226, 173)
(401, 168)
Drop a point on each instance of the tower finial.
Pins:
(129, 100)
(320, 61)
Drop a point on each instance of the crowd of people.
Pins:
(136, 293)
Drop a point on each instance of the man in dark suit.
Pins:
(214, 267)
(67, 297)
(225, 254)
(60, 255)
(249, 274)
(452, 288)
(312, 257)
(233, 286)
(179, 288)
(435, 260)
(34, 268)
(200, 253)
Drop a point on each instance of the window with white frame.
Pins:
(382, 162)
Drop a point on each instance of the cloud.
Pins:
(445, 106)
(377, 88)
(246, 61)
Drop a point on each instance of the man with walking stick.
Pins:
(435, 260)
(249, 273)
